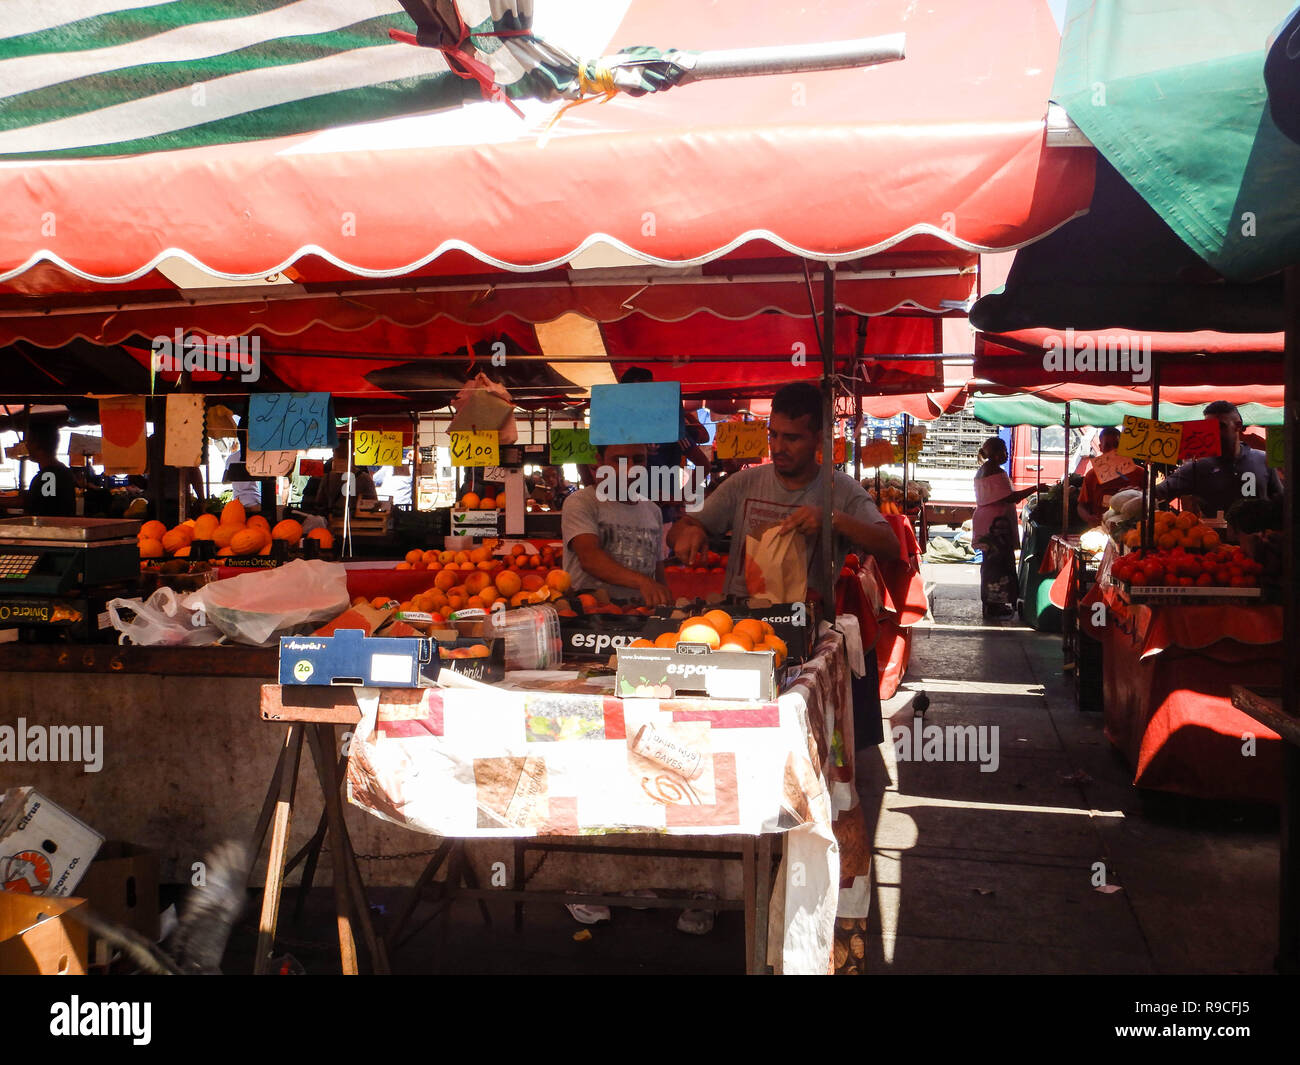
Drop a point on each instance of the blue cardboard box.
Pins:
(349, 657)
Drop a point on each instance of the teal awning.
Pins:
(1034, 410)
(1173, 96)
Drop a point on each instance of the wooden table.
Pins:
(313, 714)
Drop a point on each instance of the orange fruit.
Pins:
(778, 644)
(589, 602)
(501, 501)
(175, 539)
(225, 552)
(518, 549)
(480, 554)
(519, 599)
(246, 542)
(479, 650)
(1186, 521)
(446, 578)
(324, 537)
(205, 525)
(379, 602)
(487, 504)
(641, 643)
(1210, 539)
(183, 552)
(1167, 542)
(150, 548)
(461, 557)
(152, 530)
(668, 639)
(233, 513)
(225, 533)
(720, 620)
(402, 565)
(530, 582)
(469, 501)
(288, 529)
(260, 522)
(559, 580)
(476, 582)
(486, 567)
(767, 629)
(414, 556)
(751, 628)
(266, 551)
(432, 558)
(736, 641)
(508, 583)
(455, 601)
(697, 630)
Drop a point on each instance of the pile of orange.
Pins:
(234, 533)
(470, 501)
(721, 632)
(1177, 530)
(459, 589)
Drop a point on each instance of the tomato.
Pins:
(1205, 580)
(1185, 582)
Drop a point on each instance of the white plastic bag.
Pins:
(260, 607)
(161, 621)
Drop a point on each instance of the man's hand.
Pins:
(690, 541)
(653, 593)
(807, 520)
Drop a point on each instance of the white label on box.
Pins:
(391, 668)
(732, 684)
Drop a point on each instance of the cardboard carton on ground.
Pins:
(121, 886)
(38, 937)
(44, 850)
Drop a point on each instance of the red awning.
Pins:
(910, 169)
(1020, 359)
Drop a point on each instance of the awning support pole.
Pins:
(1288, 960)
(859, 348)
(1065, 477)
(828, 436)
(1149, 496)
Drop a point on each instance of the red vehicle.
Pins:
(1033, 463)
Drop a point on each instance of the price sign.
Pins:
(573, 445)
(878, 453)
(1111, 465)
(915, 441)
(311, 467)
(290, 421)
(270, 463)
(475, 449)
(1200, 439)
(839, 451)
(376, 449)
(1276, 446)
(741, 440)
(1150, 441)
(495, 475)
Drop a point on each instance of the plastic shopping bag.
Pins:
(160, 621)
(260, 607)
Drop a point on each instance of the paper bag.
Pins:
(776, 565)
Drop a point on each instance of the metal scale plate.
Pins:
(55, 556)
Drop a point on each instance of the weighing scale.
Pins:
(56, 575)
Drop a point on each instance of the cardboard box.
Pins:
(39, 938)
(473, 521)
(694, 670)
(489, 670)
(44, 850)
(597, 636)
(350, 657)
(121, 885)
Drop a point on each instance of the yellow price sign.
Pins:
(740, 440)
(376, 449)
(1148, 440)
(475, 448)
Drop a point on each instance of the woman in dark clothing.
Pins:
(994, 529)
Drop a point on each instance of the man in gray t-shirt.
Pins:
(613, 542)
(786, 492)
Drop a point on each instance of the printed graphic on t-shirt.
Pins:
(633, 546)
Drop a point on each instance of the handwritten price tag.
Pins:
(1111, 465)
(475, 449)
(1200, 439)
(376, 449)
(572, 445)
(839, 451)
(290, 421)
(1151, 441)
(741, 440)
(878, 453)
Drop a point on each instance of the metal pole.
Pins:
(1149, 496)
(828, 436)
(907, 431)
(1288, 960)
(1065, 478)
(859, 347)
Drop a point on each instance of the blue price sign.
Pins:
(290, 421)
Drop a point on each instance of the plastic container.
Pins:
(532, 636)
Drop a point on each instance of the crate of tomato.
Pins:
(1219, 575)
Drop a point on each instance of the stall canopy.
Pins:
(1101, 406)
(419, 237)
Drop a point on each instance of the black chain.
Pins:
(395, 857)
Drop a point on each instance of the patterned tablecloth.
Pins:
(558, 763)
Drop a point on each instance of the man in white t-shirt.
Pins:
(787, 492)
(611, 541)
